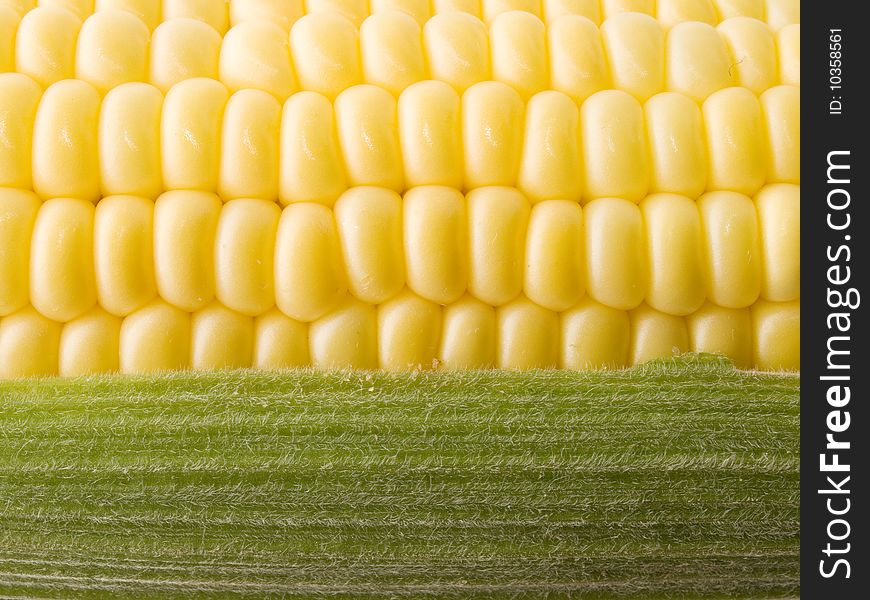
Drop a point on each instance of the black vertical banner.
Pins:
(835, 361)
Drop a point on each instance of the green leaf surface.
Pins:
(677, 479)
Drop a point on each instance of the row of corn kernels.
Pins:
(64, 256)
(221, 14)
(327, 54)
(405, 332)
(68, 142)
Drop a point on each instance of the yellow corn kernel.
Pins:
(492, 9)
(155, 338)
(310, 278)
(788, 44)
(325, 51)
(256, 54)
(391, 47)
(614, 146)
(611, 8)
(249, 146)
(670, 13)
(279, 342)
(776, 335)
(129, 141)
(183, 49)
(518, 43)
(184, 235)
(418, 10)
(245, 255)
(311, 166)
(698, 62)
(781, 13)
(740, 8)
(9, 19)
(62, 285)
(19, 99)
(781, 116)
(346, 338)
(28, 345)
(45, 44)
(65, 158)
(457, 49)
(554, 269)
(674, 254)
(675, 131)
(112, 49)
(354, 10)
(20, 6)
(81, 8)
(497, 221)
(492, 134)
(594, 336)
(435, 242)
(779, 221)
(282, 13)
(720, 330)
(616, 263)
(430, 134)
(368, 134)
(370, 231)
(124, 253)
(468, 337)
(553, 9)
(190, 133)
(148, 10)
(735, 141)
(90, 344)
(655, 335)
(309, 275)
(471, 7)
(732, 254)
(409, 328)
(18, 209)
(577, 62)
(550, 166)
(528, 336)
(220, 338)
(753, 52)
(635, 47)
(212, 12)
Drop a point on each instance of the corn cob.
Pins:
(612, 280)
(326, 53)
(379, 259)
(406, 332)
(221, 14)
(138, 142)
(232, 223)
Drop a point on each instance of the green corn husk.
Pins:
(676, 479)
